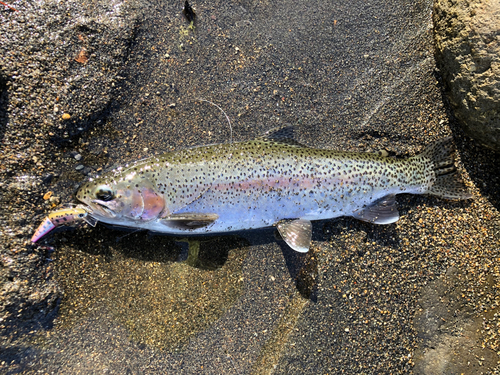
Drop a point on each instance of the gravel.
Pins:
(39, 82)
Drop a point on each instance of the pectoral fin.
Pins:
(296, 233)
(189, 220)
(382, 211)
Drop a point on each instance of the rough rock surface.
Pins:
(467, 37)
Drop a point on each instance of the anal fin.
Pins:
(382, 211)
(189, 220)
(296, 233)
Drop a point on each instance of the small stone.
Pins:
(47, 179)
(86, 171)
(66, 116)
(47, 195)
(78, 157)
(79, 167)
(54, 200)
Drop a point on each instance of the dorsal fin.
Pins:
(382, 153)
(284, 135)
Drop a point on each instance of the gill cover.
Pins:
(132, 201)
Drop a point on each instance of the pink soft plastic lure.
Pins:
(64, 216)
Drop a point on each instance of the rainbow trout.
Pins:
(268, 181)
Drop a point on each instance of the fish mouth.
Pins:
(101, 208)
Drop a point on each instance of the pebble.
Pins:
(47, 179)
(78, 157)
(79, 167)
(54, 200)
(66, 116)
(86, 171)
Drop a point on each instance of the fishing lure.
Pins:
(65, 216)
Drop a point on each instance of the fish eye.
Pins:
(104, 194)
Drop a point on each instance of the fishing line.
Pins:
(227, 117)
(128, 234)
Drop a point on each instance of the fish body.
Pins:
(265, 182)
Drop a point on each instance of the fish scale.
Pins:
(268, 181)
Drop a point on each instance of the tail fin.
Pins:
(447, 183)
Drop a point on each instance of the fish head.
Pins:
(117, 198)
